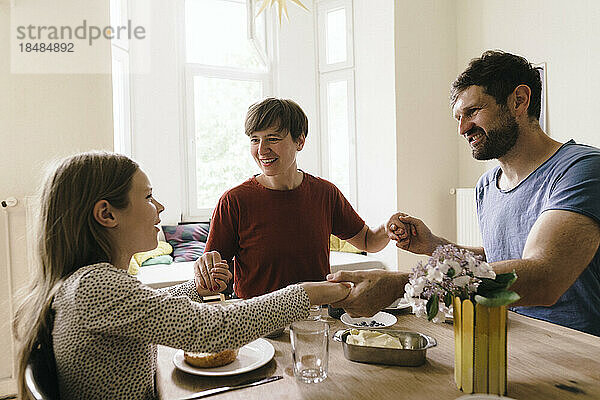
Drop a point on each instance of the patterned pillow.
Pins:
(188, 240)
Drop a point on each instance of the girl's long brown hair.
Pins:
(68, 238)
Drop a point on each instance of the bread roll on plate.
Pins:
(210, 360)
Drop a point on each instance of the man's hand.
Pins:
(373, 290)
(398, 231)
(211, 274)
(420, 240)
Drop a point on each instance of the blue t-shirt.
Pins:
(569, 180)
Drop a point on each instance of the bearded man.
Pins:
(538, 210)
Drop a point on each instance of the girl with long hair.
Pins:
(100, 324)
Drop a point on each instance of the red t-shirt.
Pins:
(279, 237)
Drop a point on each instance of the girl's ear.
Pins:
(103, 214)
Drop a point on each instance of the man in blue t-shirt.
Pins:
(539, 210)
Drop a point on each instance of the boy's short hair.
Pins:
(283, 115)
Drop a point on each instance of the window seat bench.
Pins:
(163, 275)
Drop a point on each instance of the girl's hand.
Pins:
(326, 292)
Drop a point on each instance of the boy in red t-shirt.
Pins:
(275, 227)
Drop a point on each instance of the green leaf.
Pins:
(502, 281)
(448, 299)
(433, 305)
(497, 298)
(508, 278)
(451, 272)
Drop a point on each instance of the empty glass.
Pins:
(310, 350)
(314, 313)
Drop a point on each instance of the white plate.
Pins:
(477, 396)
(386, 319)
(400, 305)
(250, 357)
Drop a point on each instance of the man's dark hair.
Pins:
(283, 115)
(499, 73)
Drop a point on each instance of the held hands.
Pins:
(326, 292)
(373, 290)
(419, 240)
(211, 274)
(398, 231)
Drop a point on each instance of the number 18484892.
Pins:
(46, 47)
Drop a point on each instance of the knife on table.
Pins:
(254, 382)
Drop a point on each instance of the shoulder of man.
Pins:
(487, 178)
(577, 150)
(580, 157)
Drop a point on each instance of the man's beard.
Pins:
(498, 141)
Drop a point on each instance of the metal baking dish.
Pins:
(412, 355)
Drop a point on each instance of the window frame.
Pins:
(342, 75)
(337, 72)
(121, 83)
(324, 7)
(190, 210)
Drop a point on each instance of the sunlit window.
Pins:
(217, 34)
(336, 79)
(336, 36)
(227, 69)
(337, 130)
(222, 155)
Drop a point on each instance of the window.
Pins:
(227, 68)
(336, 82)
(338, 114)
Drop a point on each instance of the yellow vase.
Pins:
(479, 347)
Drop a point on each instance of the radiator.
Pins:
(31, 218)
(467, 227)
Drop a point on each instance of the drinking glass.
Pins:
(314, 313)
(310, 350)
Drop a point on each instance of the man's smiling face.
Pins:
(488, 127)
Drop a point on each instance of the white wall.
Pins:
(425, 56)
(155, 103)
(564, 35)
(296, 77)
(376, 115)
(42, 117)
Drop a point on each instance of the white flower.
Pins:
(409, 290)
(472, 287)
(458, 270)
(443, 266)
(434, 274)
(419, 307)
(446, 265)
(418, 285)
(461, 281)
(419, 310)
(484, 270)
(471, 263)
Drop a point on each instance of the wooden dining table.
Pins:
(545, 361)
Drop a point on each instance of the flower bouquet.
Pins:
(459, 282)
(452, 272)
